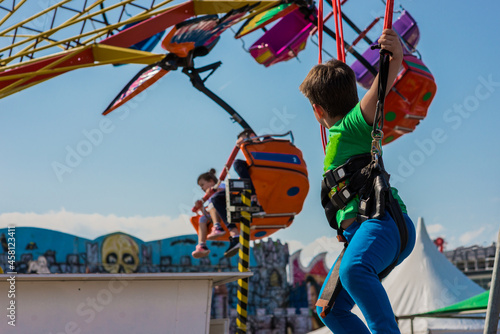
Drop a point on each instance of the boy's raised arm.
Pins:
(390, 42)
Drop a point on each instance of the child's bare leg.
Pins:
(217, 229)
(215, 216)
(202, 233)
(201, 249)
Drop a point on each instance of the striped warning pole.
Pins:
(244, 262)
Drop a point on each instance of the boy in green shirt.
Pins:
(374, 244)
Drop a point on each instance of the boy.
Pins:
(374, 244)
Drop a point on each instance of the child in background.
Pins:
(374, 244)
(217, 209)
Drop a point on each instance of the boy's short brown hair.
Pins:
(332, 86)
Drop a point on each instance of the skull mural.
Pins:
(120, 254)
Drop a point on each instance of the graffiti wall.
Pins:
(48, 251)
(274, 306)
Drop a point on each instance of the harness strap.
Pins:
(351, 166)
(332, 288)
(332, 200)
(375, 201)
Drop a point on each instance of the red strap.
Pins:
(337, 12)
(324, 137)
(320, 31)
(320, 60)
(389, 8)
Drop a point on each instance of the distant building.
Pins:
(475, 262)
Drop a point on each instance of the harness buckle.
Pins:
(339, 174)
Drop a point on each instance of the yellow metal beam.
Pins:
(73, 20)
(117, 55)
(100, 32)
(31, 75)
(9, 14)
(149, 14)
(202, 7)
(103, 55)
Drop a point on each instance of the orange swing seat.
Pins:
(279, 175)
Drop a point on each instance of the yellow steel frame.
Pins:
(80, 17)
(103, 55)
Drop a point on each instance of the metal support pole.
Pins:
(199, 84)
(244, 262)
(491, 322)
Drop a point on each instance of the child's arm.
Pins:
(390, 42)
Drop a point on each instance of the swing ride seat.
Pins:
(279, 176)
(407, 29)
(284, 40)
(407, 103)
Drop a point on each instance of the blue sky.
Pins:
(140, 175)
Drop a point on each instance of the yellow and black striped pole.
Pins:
(244, 263)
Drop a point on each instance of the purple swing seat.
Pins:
(407, 29)
(284, 40)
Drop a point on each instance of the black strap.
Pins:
(345, 171)
(352, 171)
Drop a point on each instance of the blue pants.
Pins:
(373, 246)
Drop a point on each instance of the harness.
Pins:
(364, 177)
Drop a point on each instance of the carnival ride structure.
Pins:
(197, 27)
(98, 35)
(126, 32)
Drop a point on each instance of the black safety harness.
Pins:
(364, 176)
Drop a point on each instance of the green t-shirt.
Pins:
(350, 136)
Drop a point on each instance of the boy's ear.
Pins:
(319, 112)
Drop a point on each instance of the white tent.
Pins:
(425, 281)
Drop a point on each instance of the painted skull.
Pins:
(120, 254)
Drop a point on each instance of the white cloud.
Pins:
(468, 237)
(435, 228)
(92, 226)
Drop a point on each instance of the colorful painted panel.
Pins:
(144, 79)
(265, 18)
(47, 251)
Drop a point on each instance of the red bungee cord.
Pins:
(320, 31)
(337, 13)
(389, 8)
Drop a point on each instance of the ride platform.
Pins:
(113, 303)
